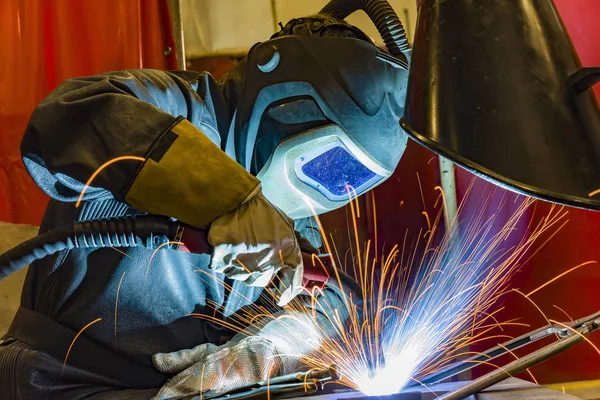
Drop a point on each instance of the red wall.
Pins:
(578, 242)
(47, 41)
(581, 18)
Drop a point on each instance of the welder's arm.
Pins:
(153, 115)
(177, 170)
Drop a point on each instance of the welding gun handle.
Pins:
(324, 375)
(316, 270)
(192, 240)
(260, 393)
(323, 272)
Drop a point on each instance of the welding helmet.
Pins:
(317, 118)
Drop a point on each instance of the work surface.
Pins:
(10, 288)
(510, 389)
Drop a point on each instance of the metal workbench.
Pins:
(510, 389)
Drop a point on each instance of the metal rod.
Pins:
(515, 367)
(489, 355)
(279, 386)
(448, 180)
(513, 344)
(260, 393)
(177, 26)
(274, 15)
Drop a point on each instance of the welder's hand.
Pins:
(219, 368)
(275, 349)
(255, 242)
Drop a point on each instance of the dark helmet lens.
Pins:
(333, 172)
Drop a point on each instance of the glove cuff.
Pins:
(188, 177)
(256, 192)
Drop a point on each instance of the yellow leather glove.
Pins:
(275, 349)
(256, 242)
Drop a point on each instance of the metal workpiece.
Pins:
(496, 385)
(280, 387)
(569, 335)
(509, 389)
(497, 87)
(578, 328)
(513, 368)
(322, 376)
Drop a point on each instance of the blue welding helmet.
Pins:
(318, 117)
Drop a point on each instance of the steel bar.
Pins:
(278, 387)
(263, 393)
(495, 352)
(177, 26)
(448, 180)
(520, 365)
(500, 350)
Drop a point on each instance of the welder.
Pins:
(306, 119)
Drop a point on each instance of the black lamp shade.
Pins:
(496, 86)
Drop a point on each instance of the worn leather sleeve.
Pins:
(192, 180)
(170, 119)
(86, 122)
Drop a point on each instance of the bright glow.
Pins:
(397, 372)
(420, 310)
(421, 304)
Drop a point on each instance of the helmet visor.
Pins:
(334, 171)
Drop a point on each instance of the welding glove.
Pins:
(275, 349)
(254, 243)
(252, 239)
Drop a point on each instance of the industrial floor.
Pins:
(10, 293)
(10, 288)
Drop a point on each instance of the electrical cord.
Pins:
(148, 231)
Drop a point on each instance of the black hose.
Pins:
(39, 247)
(147, 231)
(383, 16)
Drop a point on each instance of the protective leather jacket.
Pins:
(137, 301)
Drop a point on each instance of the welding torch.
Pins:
(320, 271)
(279, 387)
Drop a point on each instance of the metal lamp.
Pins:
(497, 87)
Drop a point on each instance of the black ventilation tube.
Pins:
(146, 231)
(383, 16)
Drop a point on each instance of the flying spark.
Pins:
(417, 311)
